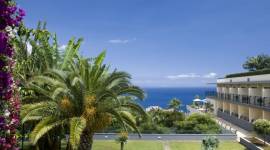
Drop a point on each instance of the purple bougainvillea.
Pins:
(10, 18)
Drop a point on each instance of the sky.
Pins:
(161, 43)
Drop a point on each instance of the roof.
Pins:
(251, 79)
(250, 73)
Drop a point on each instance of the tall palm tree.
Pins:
(257, 63)
(83, 96)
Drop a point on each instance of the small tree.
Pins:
(262, 127)
(122, 139)
(174, 104)
(209, 107)
(210, 143)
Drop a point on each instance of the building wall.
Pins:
(266, 115)
(233, 108)
(243, 111)
(245, 98)
(255, 114)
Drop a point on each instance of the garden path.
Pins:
(166, 145)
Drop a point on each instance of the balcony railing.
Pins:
(258, 101)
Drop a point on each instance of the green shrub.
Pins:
(198, 124)
(150, 127)
(166, 118)
(262, 127)
(210, 143)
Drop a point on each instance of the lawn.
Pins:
(158, 145)
(131, 145)
(223, 145)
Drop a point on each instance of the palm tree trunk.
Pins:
(68, 147)
(86, 140)
(122, 145)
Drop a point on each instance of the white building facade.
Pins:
(242, 100)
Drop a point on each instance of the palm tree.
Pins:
(257, 63)
(83, 96)
(174, 104)
(37, 51)
(122, 139)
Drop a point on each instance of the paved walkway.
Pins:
(166, 145)
(235, 129)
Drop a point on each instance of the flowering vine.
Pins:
(10, 18)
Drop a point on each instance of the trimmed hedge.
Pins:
(251, 73)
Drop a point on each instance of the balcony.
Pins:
(255, 101)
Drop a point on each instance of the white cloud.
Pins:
(192, 75)
(210, 75)
(189, 75)
(62, 47)
(118, 41)
(121, 41)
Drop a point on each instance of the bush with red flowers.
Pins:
(10, 19)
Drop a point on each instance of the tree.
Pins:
(262, 127)
(122, 139)
(37, 52)
(174, 104)
(257, 62)
(209, 107)
(210, 143)
(85, 97)
(165, 118)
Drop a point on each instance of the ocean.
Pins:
(162, 96)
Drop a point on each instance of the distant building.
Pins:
(153, 108)
(157, 108)
(242, 99)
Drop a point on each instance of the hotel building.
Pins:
(241, 100)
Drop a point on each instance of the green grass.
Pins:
(131, 145)
(196, 145)
(157, 145)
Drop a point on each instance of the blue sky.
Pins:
(161, 43)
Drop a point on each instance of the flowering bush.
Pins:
(10, 18)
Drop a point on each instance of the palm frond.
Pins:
(71, 51)
(99, 59)
(130, 121)
(77, 125)
(43, 127)
(133, 91)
